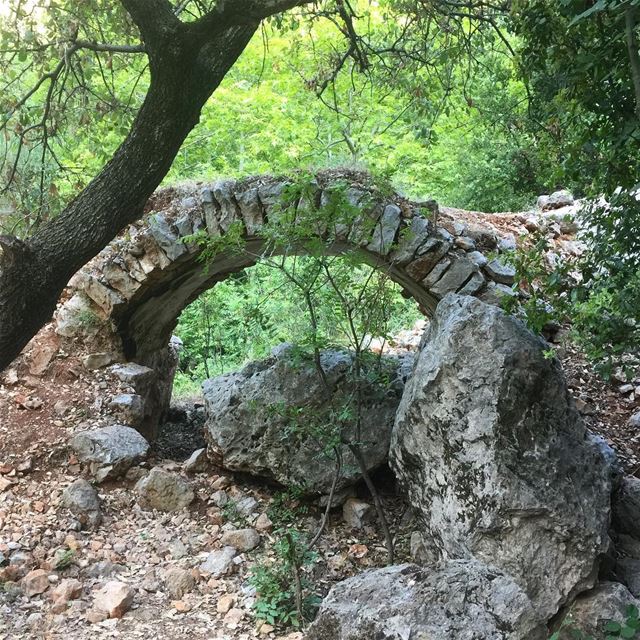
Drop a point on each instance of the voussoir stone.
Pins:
(495, 458)
(461, 599)
(109, 451)
(249, 410)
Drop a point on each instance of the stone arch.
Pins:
(141, 282)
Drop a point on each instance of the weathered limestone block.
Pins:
(461, 599)
(228, 209)
(495, 458)
(427, 257)
(166, 236)
(411, 239)
(455, 277)
(119, 279)
(105, 297)
(109, 451)
(250, 209)
(248, 412)
(384, 232)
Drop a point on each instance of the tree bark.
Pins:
(631, 22)
(187, 62)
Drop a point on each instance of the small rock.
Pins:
(542, 201)
(478, 258)
(225, 603)
(129, 407)
(220, 562)
(246, 506)
(181, 606)
(220, 498)
(557, 199)
(109, 451)
(507, 243)
(164, 491)
(241, 539)
(634, 421)
(60, 408)
(467, 244)
(81, 498)
(266, 629)
(94, 616)
(585, 408)
(104, 569)
(114, 599)
(34, 619)
(35, 582)
(233, 617)
(178, 582)
(263, 523)
(25, 465)
(220, 483)
(68, 589)
(97, 360)
(626, 388)
(136, 375)
(357, 513)
(197, 462)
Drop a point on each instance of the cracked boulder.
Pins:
(495, 458)
(461, 599)
(262, 420)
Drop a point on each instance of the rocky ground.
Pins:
(166, 574)
(58, 577)
(124, 568)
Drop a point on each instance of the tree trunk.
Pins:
(184, 73)
(630, 15)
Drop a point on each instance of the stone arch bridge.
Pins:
(128, 299)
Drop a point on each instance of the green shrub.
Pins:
(279, 601)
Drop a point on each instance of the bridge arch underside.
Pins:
(146, 324)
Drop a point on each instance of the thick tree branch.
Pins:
(154, 18)
(228, 13)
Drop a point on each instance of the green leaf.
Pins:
(613, 627)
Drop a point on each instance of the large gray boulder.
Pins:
(109, 451)
(461, 599)
(495, 458)
(266, 419)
